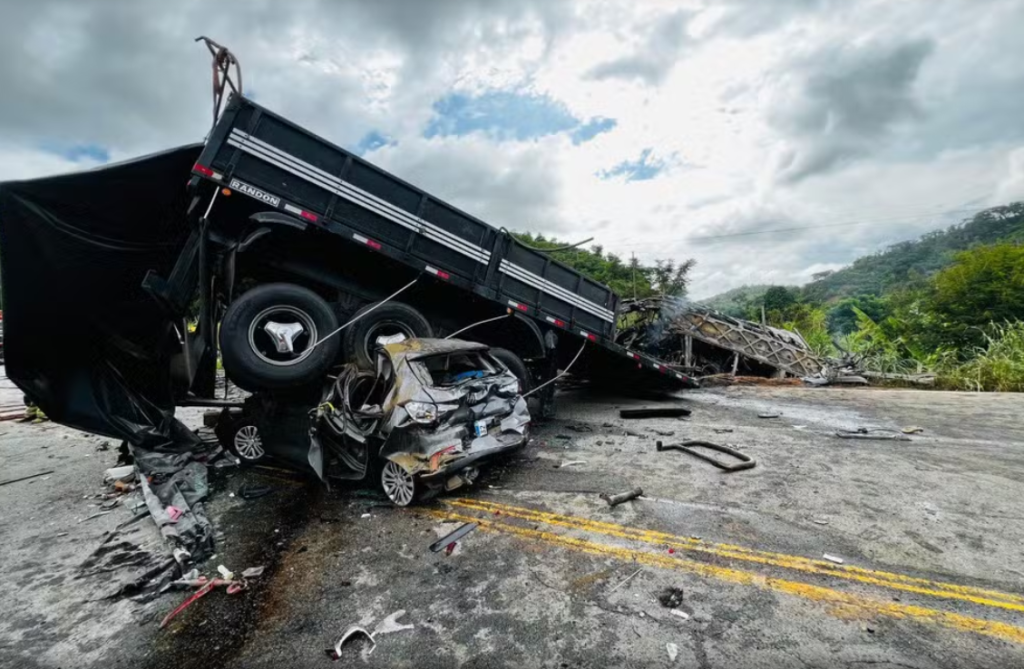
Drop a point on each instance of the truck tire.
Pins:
(388, 319)
(515, 365)
(255, 359)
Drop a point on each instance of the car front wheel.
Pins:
(399, 484)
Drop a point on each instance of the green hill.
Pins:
(899, 263)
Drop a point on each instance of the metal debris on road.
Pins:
(624, 581)
(745, 461)
(671, 598)
(680, 614)
(452, 537)
(391, 624)
(25, 478)
(769, 414)
(878, 434)
(655, 412)
(833, 558)
(673, 651)
(913, 429)
(615, 500)
(819, 521)
(254, 491)
(335, 653)
(570, 463)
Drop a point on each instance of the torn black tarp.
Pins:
(83, 339)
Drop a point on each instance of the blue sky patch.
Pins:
(507, 115)
(78, 152)
(641, 169)
(372, 141)
(592, 129)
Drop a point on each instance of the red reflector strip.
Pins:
(588, 335)
(662, 368)
(205, 171)
(369, 242)
(555, 321)
(439, 273)
(635, 356)
(516, 305)
(301, 212)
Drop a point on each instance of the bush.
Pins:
(998, 366)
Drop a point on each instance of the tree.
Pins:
(671, 279)
(983, 286)
(779, 299)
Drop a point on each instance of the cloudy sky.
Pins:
(666, 129)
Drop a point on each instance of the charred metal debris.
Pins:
(709, 345)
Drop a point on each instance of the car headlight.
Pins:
(510, 388)
(421, 412)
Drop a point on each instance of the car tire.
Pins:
(400, 485)
(243, 439)
(388, 319)
(255, 361)
(515, 365)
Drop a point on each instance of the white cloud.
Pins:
(896, 117)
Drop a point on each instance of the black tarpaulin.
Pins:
(82, 338)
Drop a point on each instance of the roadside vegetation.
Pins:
(951, 303)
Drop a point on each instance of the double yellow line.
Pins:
(839, 603)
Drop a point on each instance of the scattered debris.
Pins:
(202, 591)
(452, 537)
(769, 414)
(579, 428)
(391, 624)
(655, 412)
(114, 474)
(225, 573)
(250, 491)
(680, 614)
(833, 558)
(624, 581)
(25, 478)
(253, 572)
(819, 521)
(878, 434)
(664, 433)
(570, 463)
(722, 430)
(351, 632)
(913, 429)
(745, 461)
(615, 500)
(95, 515)
(673, 651)
(671, 598)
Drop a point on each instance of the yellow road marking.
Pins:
(840, 604)
(980, 596)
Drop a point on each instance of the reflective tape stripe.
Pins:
(318, 177)
(532, 279)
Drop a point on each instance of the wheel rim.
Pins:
(248, 443)
(398, 483)
(282, 335)
(385, 329)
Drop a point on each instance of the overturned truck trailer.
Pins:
(284, 256)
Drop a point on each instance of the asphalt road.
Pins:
(929, 532)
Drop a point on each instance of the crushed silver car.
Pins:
(432, 412)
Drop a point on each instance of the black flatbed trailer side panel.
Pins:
(260, 154)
